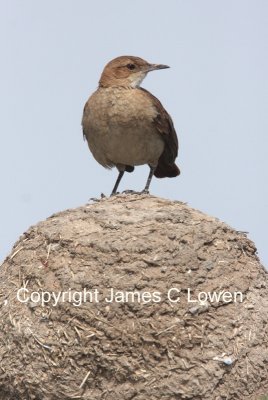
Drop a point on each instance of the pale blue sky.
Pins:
(52, 53)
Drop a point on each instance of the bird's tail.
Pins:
(164, 170)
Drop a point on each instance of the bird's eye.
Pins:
(131, 66)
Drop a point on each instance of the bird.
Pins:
(127, 126)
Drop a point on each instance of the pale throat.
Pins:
(136, 79)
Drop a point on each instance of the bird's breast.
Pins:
(118, 125)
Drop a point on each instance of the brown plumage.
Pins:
(125, 125)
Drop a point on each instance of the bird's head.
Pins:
(126, 71)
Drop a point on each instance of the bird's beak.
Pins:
(153, 67)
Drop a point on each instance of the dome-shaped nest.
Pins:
(133, 297)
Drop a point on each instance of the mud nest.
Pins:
(188, 317)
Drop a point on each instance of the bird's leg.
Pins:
(120, 175)
(146, 189)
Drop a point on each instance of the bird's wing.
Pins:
(85, 112)
(165, 127)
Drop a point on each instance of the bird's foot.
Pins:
(94, 199)
(130, 192)
(102, 196)
(145, 191)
